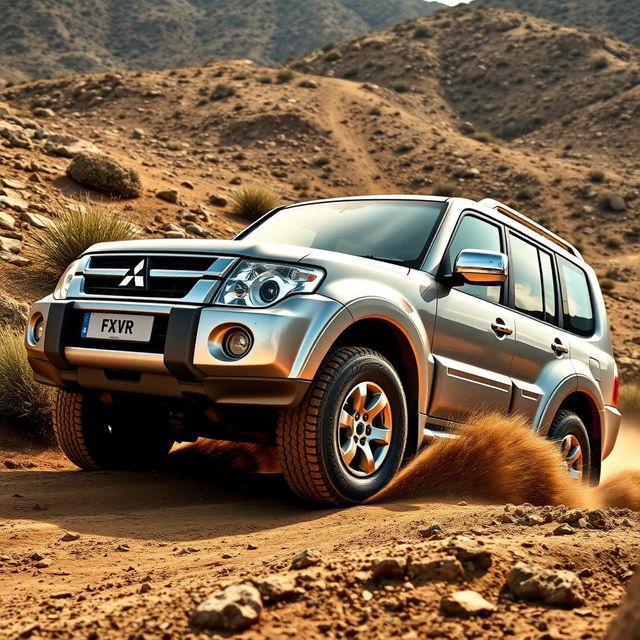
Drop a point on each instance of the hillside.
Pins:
(618, 17)
(46, 38)
(413, 121)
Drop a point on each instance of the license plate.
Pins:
(111, 326)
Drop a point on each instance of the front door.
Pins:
(474, 334)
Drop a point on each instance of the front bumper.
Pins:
(184, 356)
(610, 421)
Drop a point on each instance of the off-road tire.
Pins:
(568, 423)
(305, 434)
(92, 441)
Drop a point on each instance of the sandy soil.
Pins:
(151, 546)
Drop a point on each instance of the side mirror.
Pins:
(475, 266)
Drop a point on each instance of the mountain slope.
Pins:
(619, 17)
(44, 38)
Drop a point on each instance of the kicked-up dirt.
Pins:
(131, 555)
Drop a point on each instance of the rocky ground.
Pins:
(165, 555)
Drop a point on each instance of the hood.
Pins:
(245, 249)
(261, 251)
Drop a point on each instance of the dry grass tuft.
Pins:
(253, 202)
(76, 229)
(23, 402)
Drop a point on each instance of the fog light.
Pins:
(237, 343)
(36, 329)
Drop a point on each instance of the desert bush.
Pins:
(446, 188)
(302, 184)
(526, 193)
(401, 87)
(629, 399)
(601, 62)
(321, 161)
(285, 75)
(76, 229)
(253, 202)
(596, 175)
(485, 137)
(23, 402)
(265, 79)
(421, 33)
(221, 91)
(607, 284)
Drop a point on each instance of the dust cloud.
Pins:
(498, 459)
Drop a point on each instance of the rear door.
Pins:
(542, 358)
(473, 339)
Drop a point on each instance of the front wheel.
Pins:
(95, 436)
(346, 440)
(571, 435)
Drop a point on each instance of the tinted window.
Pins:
(474, 233)
(549, 285)
(527, 280)
(392, 230)
(576, 299)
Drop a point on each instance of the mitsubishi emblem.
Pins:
(136, 275)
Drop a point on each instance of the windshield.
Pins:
(397, 231)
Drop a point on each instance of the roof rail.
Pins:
(531, 224)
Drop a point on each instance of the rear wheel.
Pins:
(346, 440)
(572, 437)
(95, 436)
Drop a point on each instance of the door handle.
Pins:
(559, 349)
(499, 327)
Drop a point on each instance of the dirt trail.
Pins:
(149, 546)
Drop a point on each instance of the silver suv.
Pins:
(346, 332)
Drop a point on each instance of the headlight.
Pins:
(260, 284)
(62, 288)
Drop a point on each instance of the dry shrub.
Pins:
(253, 202)
(23, 402)
(76, 229)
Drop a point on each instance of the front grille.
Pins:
(73, 338)
(176, 277)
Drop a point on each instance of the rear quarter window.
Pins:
(576, 299)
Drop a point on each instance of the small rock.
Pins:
(187, 185)
(70, 537)
(573, 515)
(448, 568)
(305, 559)
(390, 568)
(13, 184)
(564, 530)
(308, 84)
(168, 195)
(6, 221)
(145, 588)
(195, 230)
(469, 551)
(68, 146)
(42, 112)
(13, 200)
(433, 532)
(10, 245)
(277, 588)
(553, 587)
(218, 201)
(465, 604)
(138, 134)
(467, 128)
(36, 220)
(234, 609)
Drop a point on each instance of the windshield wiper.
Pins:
(400, 263)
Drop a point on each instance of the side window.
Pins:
(527, 278)
(549, 284)
(474, 233)
(576, 299)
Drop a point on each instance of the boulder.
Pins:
(168, 195)
(554, 587)
(234, 609)
(100, 172)
(68, 146)
(465, 604)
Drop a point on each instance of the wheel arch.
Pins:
(393, 333)
(583, 398)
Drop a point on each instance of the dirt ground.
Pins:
(145, 549)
